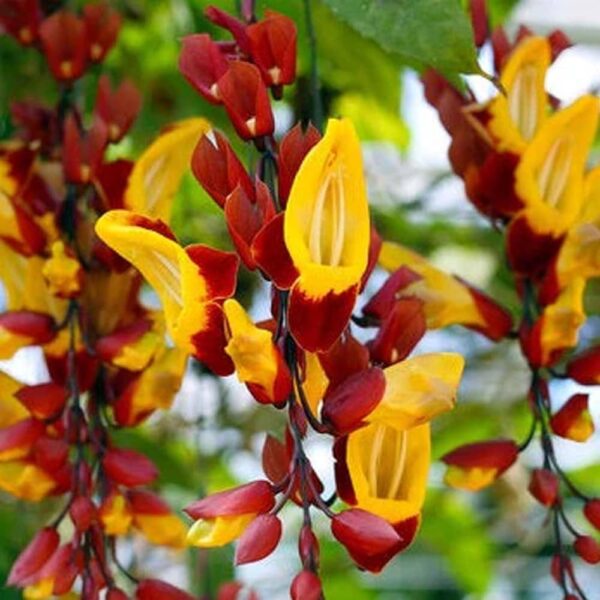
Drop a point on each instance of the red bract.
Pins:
(308, 547)
(82, 153)
(129, 468)
(43, 401)
(273, 48)
(83, 513)
(65, 43)
(246, 100)
(591, 510)
(245, 216)
(234, 26)
(116, 594)
(202, 63)
(17, 439)
(102, 25)
(588, 548)
(573, 420)
(585, 368)
(50, 454)
(254, 497)
(544, 486)
(218, 169)
(259, 539)
(306, 586)
(21, 19)
(35, 556)
(345, 358)
(117, 109)
(499, 454)
(346, 408)
(294, 146)
(38, 328)
(370, 540)
(154, 589)
(275, 459)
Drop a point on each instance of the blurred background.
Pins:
(493, 545)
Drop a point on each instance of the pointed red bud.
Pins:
(117, 109)
(236, 27)
(591, 510)
(370, 540)
(65, 43)
(102, 24)
(273, 48)
(34, 557)
(83, 513)
(573, 421)
(306, 586)
(346, 408)
(585, 368)
(50, 454)
(275, 459)
(43, 401)
(110, 346)
(294, 146)
(129, 468)
(202, 63)
(21, 19)
(587, 548)
(246, 100)
(308, 547)
(154, 589)
(254, 497)
(259, 539)
(544, 486)
(83, 153)
(218, 169)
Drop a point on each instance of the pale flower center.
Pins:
(554, 173)
(389, 447)
(522, 102)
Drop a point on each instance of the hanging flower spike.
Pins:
(157, 173)
(102, 25)
(447, 300)
(202, 63)
(517, 116)
(549, 180)
(273, 48)
(21, 19)
(475, 466)
(218, 169)
(65, 44)
(258, 362)
(191, 283)
(117, 109)
(246, 100)
(223, 517)
(327, 232)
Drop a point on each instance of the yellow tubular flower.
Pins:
(156, 175)
(549, 177)
(418, 389)
(389, 469)
(211, 533)
(326, 232)
(516, 117)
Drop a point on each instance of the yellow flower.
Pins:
(62, 272)
(24, 480)
(211, 533)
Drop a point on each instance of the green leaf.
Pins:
(425, 33)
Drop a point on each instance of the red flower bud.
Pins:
(294, 146)
(345, 358)
(588, 548)
(83, 513)
(254, 497)
(50, 454)
(83, 153)
(154, 589)
(306, 586)
(370, 540)
(129, 468)
(259, 539)
(21, 19)
(234, 26)
(117, 109)
(308, 547)
(585, 368)
(273, 48)
(544, 486)
(218, 169)
(34, 557)
(43, 401)
(591, 510)
(351, 402)
(65, 43)
(102, 25)
(275, 459)
(246, 100)
(202, 63)
(560, 564)
(573, 421)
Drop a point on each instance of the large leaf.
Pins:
(434, 33)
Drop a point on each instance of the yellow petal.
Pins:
(62, 272)
(116, 515)
(210, 533)
(326, 226)
(315, 382)
(163, 530)
(516, 117)
(24, 480)
(418, 389)
(156, 175)
(472, 480)
(40, 590)
(549, 177)
(389, 469)
(11, 410)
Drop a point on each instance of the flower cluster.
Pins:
(71, 295)
(524, 160)
(298, 217)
